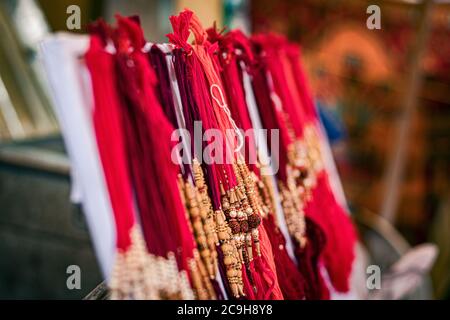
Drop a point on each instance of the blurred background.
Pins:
(383, 97)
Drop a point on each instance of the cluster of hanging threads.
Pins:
(144, 268)
(223, 217)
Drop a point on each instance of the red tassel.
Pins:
(339, 251)
(309, 262)
(291, 281)
(154, 174)
(249, 288)
(266, 267)
(109, 132)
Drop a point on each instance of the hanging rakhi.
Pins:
(210, 198)
(320, 206)
(278, 112)
(235, 54)
(159, 174)
(231, 195)
(200, 217)
(196, 105)
(274, 117)
(339, 251)
(244, 211)
(137, 274)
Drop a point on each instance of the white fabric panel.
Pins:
(72, 100)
